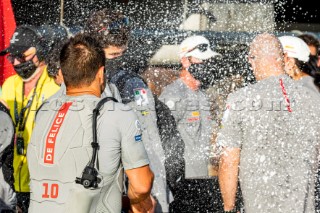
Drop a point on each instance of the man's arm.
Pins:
(228, 176)
(140, 184)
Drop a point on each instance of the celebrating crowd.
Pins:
(82, 132)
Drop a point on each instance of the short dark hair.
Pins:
(80, 59)
(110, 27)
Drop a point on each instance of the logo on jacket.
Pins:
(141, 97)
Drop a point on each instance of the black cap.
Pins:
(22, 39)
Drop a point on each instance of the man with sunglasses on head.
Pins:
(112, 29)
(190, 107)
(24, 93)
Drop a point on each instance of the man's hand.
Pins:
(146, 206)
(140, 184)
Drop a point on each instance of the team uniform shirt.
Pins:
(60, 149)
(192, 113)
(275, 125)
(7, 195)
(109, 91)
(135, 94)
(308, 82)
(11, 91)
(126, 84)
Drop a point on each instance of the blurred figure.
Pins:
(173, 145)
(112, 29)
(7, 194)
(218, 94)
(64, 178)
(314, 61)
(270, 138)
(297, 61)
(157, 78)
(24, 93)
(314, 46)
(191, 110)
(53, 61)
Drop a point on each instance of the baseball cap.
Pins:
(295, 47)
(198, 47)
(22, 39)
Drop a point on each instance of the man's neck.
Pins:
(299, 76)
(73, 91)
(189, 80)
(28, 86)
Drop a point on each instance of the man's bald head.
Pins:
(266, 56)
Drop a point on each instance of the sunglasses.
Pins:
(201, 47)
(115, 26)
(20, 57)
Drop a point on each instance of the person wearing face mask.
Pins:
(60, 154)
(191, 110)
(112, 30)
(24, 93)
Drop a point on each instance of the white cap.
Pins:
(295, 48)
(189, 48)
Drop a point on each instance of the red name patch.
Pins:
(54, 130)
(193, 119)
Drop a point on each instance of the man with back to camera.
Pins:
(191, 110)
(7, 195)
(60, 147)
(112, 29)
(270, 138)
(24, 93)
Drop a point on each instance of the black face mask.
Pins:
(25, 70)
(204, 72)
(112, 66)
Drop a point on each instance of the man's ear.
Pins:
(100, 74)
(59, 78)
(185, 62)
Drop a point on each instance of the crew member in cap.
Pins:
(24, 93)
(190, 107)
(297, 61)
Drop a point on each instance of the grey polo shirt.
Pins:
(308, 81)
(109, 91)
(121, 146)
(279, 149)
(191, 111)
(7, 195)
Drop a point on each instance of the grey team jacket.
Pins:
(60, 148)
(191, 110)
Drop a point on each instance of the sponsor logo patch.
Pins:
(53, 132)
(141, 97)
(144, 113)
(170, 104)
(195, 113)
(138, 138)
(192, 119)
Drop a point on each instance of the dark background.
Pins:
(155, 23)
(153, 14)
